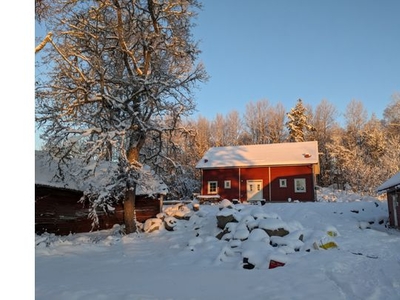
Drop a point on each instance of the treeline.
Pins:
(359, 153)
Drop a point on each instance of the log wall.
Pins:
(59, 211)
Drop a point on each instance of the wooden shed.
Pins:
(392, 189)
(58, 208)
(266, 172)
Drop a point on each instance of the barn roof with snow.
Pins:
(282, 154)
(391, 183)
(46, 170)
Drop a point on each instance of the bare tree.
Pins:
(356, 116)
(203, 134)
(276, 123)
(391, 115)
(118, 67)
(323, 120)
(256, 121)
(218, 131)
(233, 128)
(42, 8)
(361, 151)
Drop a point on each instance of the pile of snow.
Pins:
(329, 249)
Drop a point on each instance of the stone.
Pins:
(222, 220)
(277, 232)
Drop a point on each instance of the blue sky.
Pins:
(285, 50)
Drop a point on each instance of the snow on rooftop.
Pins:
(46, 174)
(300, 153)
(390, 183)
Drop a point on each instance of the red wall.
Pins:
(239, 177)
(290, 174)
(221, 176)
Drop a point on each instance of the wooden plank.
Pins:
(59, 211)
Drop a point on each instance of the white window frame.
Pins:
(227, 184)
(209, 188)
(300, 185)
(282, 182)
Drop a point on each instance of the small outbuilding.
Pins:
(266, 172)
(392, 189)
(58, 205)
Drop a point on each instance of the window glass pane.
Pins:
(300, 185)
(212, 187)
(282, 183)
(227, 184)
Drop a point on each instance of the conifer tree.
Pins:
(298, 123)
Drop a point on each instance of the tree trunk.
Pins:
(130, 210)
(130, 196)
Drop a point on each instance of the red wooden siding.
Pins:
(270, 177)
(253, 174)
(221, 176)
(59, 211)
(290, 174)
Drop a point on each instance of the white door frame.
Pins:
(254, 189)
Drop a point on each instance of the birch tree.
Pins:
(116, 69)
(218, 126)
(233, 125)
(323, 120)
(276, 123)
(391, 115)
(256, 121)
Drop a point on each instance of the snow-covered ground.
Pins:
(190, 262)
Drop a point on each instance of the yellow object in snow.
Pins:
(332, 233)
(328, 245)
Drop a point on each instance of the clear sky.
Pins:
(284, 50)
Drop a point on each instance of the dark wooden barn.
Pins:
(59, 211)
(265, 172)
(58, 208)
(392, 189)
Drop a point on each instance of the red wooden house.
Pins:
(392, 189)
(265, 172)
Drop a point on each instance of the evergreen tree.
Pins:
(298, 123)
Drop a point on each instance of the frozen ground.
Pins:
(191, 263)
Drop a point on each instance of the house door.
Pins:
(254, 190)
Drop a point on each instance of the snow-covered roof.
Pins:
(46, 170)
(301, 153)
(393, 182)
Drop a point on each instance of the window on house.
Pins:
(283, 183)
(227, 184)
(300, 185)
(212, 187)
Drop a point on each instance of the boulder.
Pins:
(170, 223)
(277, 232)
(223, 219)
(152, 224)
